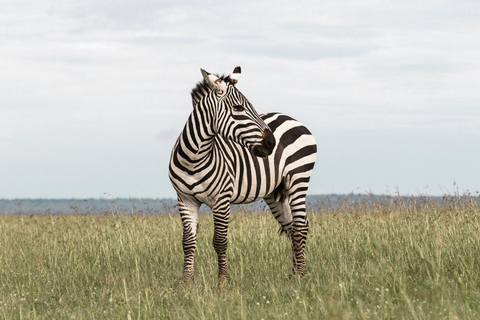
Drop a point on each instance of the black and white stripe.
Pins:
(227, 153)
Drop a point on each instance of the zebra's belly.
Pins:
(251, 196)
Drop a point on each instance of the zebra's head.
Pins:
(233, 116)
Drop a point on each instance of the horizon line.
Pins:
(367, 194)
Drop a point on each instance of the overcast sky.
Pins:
(93, 94)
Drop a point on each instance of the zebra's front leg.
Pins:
(221, 215)
(189, 214)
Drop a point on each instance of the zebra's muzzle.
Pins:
(268, 144)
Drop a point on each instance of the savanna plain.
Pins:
(396, 260)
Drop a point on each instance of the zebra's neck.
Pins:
(197, 139)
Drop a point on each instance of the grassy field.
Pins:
(380, 262)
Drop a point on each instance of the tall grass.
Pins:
(405, 261)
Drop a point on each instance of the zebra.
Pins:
(226, 154)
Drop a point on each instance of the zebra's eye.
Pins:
(238, 107)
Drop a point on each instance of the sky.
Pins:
(93, 94)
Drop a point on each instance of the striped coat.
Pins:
(227, 153)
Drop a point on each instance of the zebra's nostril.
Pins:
(268, 140)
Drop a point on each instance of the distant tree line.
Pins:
(319, 203)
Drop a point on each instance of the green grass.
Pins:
(381, 263)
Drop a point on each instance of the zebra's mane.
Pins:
(202, 89)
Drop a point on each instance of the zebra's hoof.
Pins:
(298, 274)
(188, 279)
(222, 281)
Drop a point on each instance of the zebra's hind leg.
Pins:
(189, 213)
(299, 232)
(287, 204)
(296, 188)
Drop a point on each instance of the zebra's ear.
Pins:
(214, 82)
(235, 75)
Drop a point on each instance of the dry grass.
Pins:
(404, 261)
